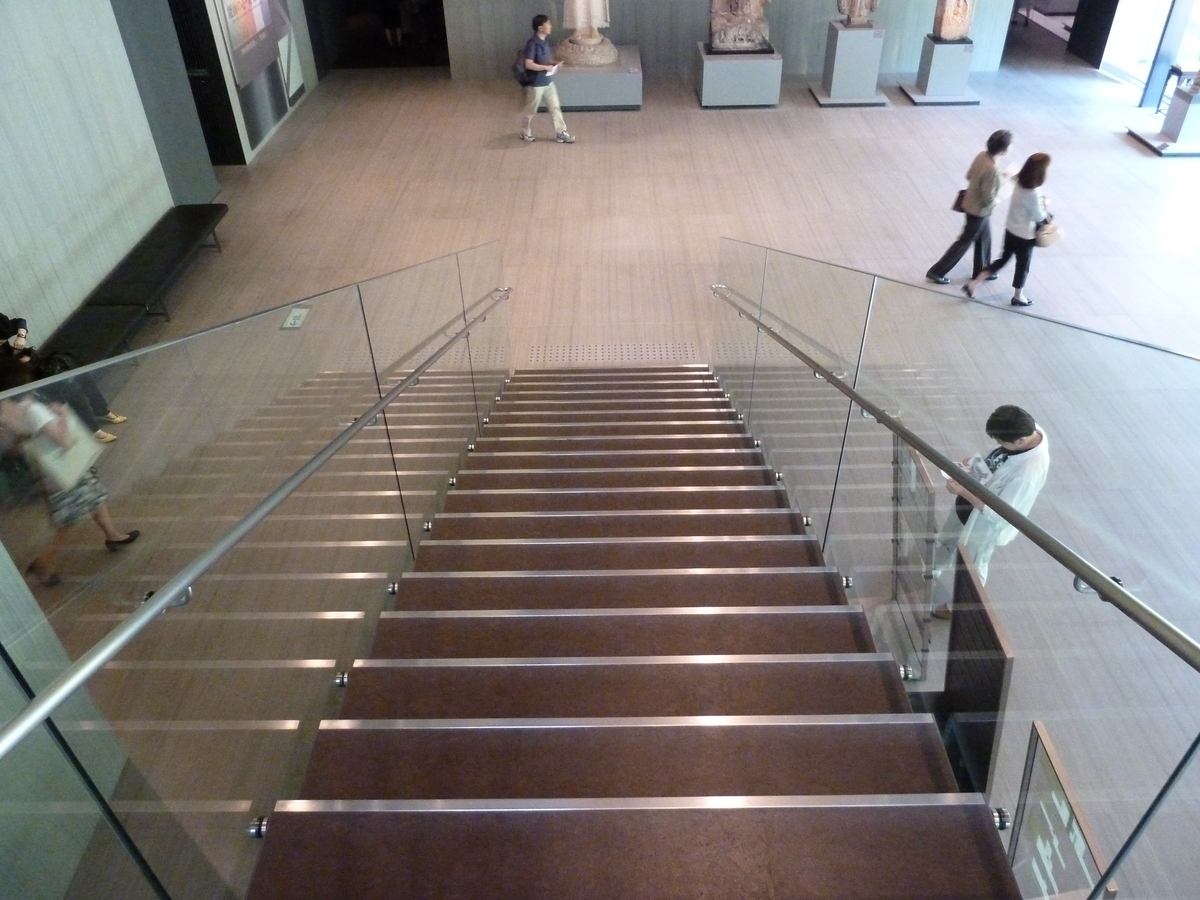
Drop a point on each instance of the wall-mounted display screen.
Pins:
(253, 30)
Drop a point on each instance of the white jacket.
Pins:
(1017, 482)
(1028, 207)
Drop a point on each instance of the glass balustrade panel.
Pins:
(54, 840)
(742, 268)
(818, 307)
(1120, 425)
(209, 714)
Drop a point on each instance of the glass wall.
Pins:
(1120, 422)
(205, 719)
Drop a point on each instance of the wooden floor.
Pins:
(610, 242)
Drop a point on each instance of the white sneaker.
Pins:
(527, 137)
(563, 138)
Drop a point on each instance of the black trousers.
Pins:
(1022, 249)
(977, 231)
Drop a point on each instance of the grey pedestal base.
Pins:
(942, 77)
(618, 86)
(738, 79)
(851, 76)
(1180, 135)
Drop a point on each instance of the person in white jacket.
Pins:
(1025, 213)
(1015, 471)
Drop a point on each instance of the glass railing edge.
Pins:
(175, 588)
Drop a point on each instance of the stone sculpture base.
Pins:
(942, 77)
(737, 79)
(1180, 135)
(851, 76)
(601, 53)
(615, 86)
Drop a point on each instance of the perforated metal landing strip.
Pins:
(602, 354)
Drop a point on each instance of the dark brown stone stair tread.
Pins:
(622, 635)
(830, 852)
(645, 761)
(597, 589)
(664, 443)
(823, 687)
(619, 553)
(609, 499)
(584, 428)
(628, 395)
(617, 459)
(656, 421)
(624, 523)
(680, 476)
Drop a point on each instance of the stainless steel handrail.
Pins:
(1155, 625)
(75, 676)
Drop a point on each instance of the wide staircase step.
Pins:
(619, 553)
(670, 631)
(783, 685)
(607, 499)
(899, 754)
(627, 523)
(927, 846)
(700, 586)
(621, 668)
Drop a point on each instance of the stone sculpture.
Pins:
(952, 20)
(586, 46)
(857, 12)
(739, 26)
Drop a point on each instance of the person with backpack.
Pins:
(539, 67)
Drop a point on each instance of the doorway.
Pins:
(371, 34)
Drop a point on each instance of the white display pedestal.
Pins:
(942, 77)
(618, 86)
(738, 79)
(851, 76)
(1180, 135)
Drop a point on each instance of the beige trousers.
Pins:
(534, 97)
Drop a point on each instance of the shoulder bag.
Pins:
(1047, 233)
(62, 467)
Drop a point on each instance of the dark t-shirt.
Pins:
(994, 460)
(538, 50)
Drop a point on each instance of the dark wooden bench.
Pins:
(115, 310)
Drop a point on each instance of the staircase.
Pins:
(621, 669)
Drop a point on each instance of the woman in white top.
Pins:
(1026, 212)
(24, 416)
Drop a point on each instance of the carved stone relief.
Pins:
(739, 26)
(952, 20)
(857, 12)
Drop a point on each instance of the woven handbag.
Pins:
(1047, 234)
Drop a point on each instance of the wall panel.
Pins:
(485, 34)
(80, 175)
